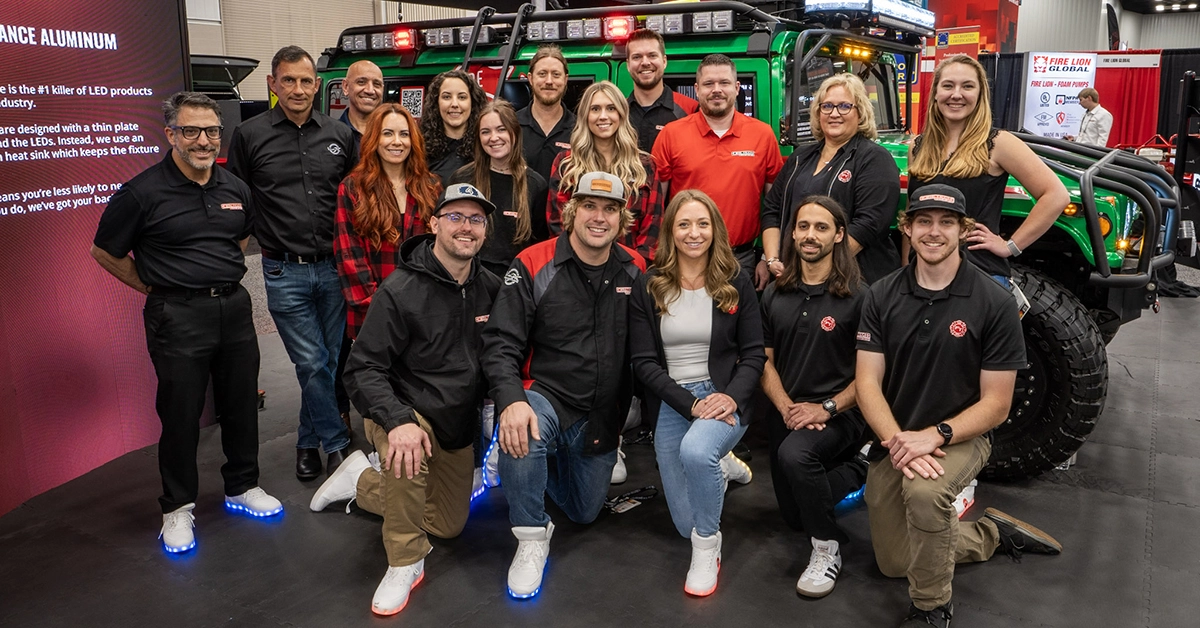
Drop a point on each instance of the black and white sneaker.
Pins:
(1017, 537)
(939, 617)
(823, 568)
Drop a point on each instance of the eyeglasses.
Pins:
(193, 132)
(842, 107)
(456, 218)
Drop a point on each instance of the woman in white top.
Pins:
(697, 346)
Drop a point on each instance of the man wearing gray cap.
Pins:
(556, 357)
(939, 346)
(414, 375)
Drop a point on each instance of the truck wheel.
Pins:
(1061, 391)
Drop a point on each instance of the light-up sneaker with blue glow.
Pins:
(533, 548)
(254, 502)
(176, 534)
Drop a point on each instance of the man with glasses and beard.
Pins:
(731, 157)
(414, 373)
(187, 223)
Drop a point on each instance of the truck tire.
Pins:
(1060, 393)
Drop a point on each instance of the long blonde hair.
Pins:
(585, 157)
(665, 285)
(971, 158)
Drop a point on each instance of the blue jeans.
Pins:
(310, 313)
(577, 482)
(689, 460)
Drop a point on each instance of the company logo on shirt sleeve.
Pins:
(864, 336)
(512, 277)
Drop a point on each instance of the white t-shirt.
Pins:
(686, 332)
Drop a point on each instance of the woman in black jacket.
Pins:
(847, 165)
(697, 346)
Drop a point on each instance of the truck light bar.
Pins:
(399, 39)
(898, 13)
(456, 36)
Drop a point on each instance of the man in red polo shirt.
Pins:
(729, 156)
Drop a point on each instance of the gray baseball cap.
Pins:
(602, 185)
(464, 192)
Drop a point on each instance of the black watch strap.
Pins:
(946, 432)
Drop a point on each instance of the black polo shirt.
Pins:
(812, 333)
(936, 343)
(648, 121)
(345, 119)
(182, 234)
(541, 149)
(293, 173)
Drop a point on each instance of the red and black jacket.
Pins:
(552, 333)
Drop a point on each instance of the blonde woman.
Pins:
(604, 141)
(847, 165)
(696, 344)
(960, 148)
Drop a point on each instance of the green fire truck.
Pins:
(1091, 273)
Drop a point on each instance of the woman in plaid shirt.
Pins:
(385, 200)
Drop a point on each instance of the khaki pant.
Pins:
(915, 530)
(435, 501)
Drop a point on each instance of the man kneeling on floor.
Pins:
(939, 345)
(559, 328)
(414, 373)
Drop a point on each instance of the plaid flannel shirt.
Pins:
(647, 208)
(362, 266)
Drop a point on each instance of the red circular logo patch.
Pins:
(844, 176)
(958, 329)
(828, 323)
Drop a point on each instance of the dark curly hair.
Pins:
(436, 142)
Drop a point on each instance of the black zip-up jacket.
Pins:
(735, 350)
(552, 333)
(866, 182)
(419, 347)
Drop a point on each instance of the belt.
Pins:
(292, 257)
(222, 290)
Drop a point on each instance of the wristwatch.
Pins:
(947, 433)
(830, 406)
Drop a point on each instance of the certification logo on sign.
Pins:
(1056, 77)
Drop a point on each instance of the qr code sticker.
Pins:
(411, 99)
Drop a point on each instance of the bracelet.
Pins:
(1013, 249)
(771, 260)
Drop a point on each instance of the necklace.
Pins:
(694, 283)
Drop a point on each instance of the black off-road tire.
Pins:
(1060, 393)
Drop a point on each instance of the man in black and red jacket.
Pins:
(556, 357)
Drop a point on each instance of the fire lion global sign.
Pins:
(1052, 84)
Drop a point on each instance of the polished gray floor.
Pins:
(85, 554)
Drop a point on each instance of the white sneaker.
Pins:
(533, 548)
(620, 472)
(965, 499)
(706, 562)
(823, 568)
(391, 596)
(254, 502)
(491, 465)
(477, 483)
(176, 534)
(734, 469)
(343, 484)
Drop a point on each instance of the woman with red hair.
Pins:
(386, 199)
